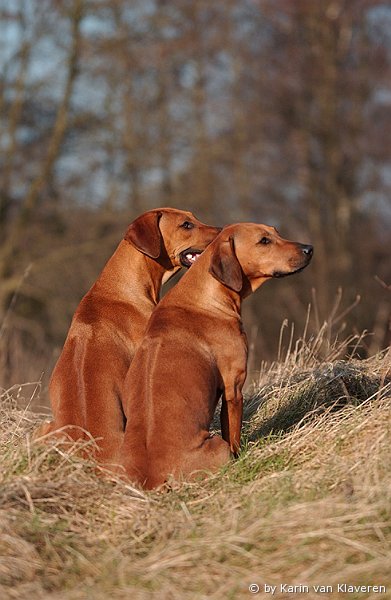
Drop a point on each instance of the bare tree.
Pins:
(271, 111)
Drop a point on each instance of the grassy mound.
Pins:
(308, 502)
(293, 397)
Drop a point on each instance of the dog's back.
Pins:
(170, 395)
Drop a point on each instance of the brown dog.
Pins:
(195, 351)
(110, 321)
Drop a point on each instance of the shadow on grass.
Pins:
(282, 404)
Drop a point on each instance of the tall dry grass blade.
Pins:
(14, 299)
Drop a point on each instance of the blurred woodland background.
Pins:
(275, 111)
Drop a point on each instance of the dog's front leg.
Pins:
(231, 417)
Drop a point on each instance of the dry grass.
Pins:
(308, 501)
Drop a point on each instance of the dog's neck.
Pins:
(230, 300)
(225, 299)
(130, 275)
(207, 294)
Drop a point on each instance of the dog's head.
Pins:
(245, 255)
(175, 238)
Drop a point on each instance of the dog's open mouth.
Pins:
(188, 257)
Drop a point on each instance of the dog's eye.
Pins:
(265, 240)
(187, 225)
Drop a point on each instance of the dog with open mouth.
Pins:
(109, 323)
(195, 351)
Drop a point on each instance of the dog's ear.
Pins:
(225, 267)
(144, 234)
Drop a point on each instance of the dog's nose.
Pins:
(307, 249)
